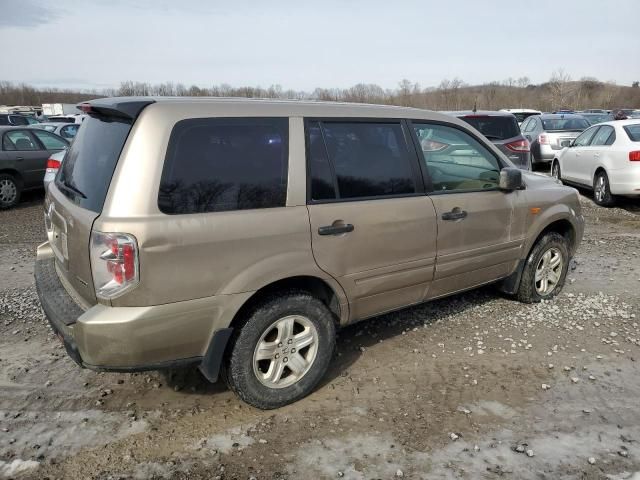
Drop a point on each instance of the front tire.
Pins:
(9, 191)
(546, 269)
(601, 190)
(282, 351)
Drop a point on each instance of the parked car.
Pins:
(52, 167)
(549, 133)
(78, 118)
(521, 114)
(13, 119)
(594, 118)
(503, 130)
(65, 130)
(23, 160)
(605, 158)
(240, 233)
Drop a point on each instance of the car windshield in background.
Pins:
(565, 124)
(633, 131)
(89, 164)
(598, 118)
(521, 117)
(494, 127)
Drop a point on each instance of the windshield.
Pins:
(494, 127)
(565, 124)
(633, 131)
(522, 116)
(87, 168)
(598, 118)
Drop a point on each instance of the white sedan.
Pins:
(605, 158)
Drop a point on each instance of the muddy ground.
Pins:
(475, 386)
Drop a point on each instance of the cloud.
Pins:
(25, 14)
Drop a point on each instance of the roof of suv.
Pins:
(492, 113)
(132, 106)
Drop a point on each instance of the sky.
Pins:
(322, 43)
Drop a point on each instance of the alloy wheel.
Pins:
(548, 271)
(285, 352)
(8, 191)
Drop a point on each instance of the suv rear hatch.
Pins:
(503, 131)
(78, 194)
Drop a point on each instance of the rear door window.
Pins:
(19, 140)
(223, 164)
(368, 160)
(455, 161)
(89, 164)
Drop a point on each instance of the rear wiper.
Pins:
(72, 189)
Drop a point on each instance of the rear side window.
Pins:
(633, 131)
(367, 160)
(88, 166)
(494, 127)
(223, 164)
(18, 120)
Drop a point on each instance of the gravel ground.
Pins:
(475, 386)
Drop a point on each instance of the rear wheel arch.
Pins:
(315, 286)
(14, 173)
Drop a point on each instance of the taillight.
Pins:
(543, 140)
(634, 156)
(114, 263)
(518, 146)
(432, 146)
(53, 165)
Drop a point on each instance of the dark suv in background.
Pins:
(502, 129)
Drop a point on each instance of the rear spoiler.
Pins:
(128, 108)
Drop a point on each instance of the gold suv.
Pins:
(238, 235)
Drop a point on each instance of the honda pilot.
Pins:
(237, 236)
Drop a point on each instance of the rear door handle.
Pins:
(19, 158)
(335, 229)
(455, 214)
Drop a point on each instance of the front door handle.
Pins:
(335, 229)
(455, 214)
(19, 158)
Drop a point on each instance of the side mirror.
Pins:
(510, 179)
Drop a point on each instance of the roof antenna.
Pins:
(475, 105)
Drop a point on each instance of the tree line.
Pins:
(559, 92)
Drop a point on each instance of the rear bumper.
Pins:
(625, 181)
(130, 339)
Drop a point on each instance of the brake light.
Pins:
(432, 146)
(114, 263)
(543, 140)
(634, 156)
(52, 165)
(518, 146)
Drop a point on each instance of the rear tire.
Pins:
(555, 170)
(601, 190)
(9, 191)
(546, 269)
(282, 350)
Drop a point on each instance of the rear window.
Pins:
(88, 166)
(217, 165)
(494, 127)
(565, 124)
(633, 131)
